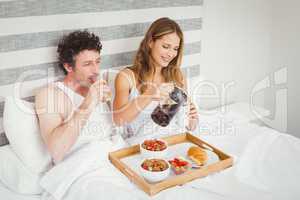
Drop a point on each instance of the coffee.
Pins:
(163, 114)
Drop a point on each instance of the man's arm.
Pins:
(59, 134)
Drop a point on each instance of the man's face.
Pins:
(86, 69)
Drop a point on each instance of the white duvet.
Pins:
(267, 166)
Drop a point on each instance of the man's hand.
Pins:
(99, 92)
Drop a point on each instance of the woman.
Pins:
(156, 63)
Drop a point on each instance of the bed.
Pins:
(7, 194)
(262, 170)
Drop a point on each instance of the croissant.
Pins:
(198, 155)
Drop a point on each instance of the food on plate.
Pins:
(179, 165)
(155, 165)
(154, 169)
(154, 145)
(198, 155)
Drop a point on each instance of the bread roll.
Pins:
(198, 155)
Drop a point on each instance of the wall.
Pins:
(253, 46)
(285, 51)
(235, 47)
(30, 31)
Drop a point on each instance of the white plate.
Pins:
(180, 150)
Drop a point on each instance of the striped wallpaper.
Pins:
(30, 31)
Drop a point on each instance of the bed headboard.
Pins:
(30, 31)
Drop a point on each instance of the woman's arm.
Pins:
(125, 110)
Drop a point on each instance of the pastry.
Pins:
(198, 155)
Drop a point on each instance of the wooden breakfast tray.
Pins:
(115, 157)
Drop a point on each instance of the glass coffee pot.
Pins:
(166, 110)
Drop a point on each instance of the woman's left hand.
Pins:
(193, 117)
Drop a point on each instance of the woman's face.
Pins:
(165, 49)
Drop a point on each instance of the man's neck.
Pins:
(75, 85)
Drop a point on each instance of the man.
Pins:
(61, 118)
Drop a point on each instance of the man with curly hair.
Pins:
(64, 107)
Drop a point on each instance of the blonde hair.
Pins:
(143, 66)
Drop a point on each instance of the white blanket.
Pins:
(271, 162)
(88, 174)
(86, 159)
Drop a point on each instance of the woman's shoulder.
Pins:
(126, 76)
(126, 71)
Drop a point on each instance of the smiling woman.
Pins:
(159, 55)
(157, 62)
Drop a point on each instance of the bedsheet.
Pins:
(7, 194)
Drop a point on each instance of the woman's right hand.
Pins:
(155, 92)
(152, 92)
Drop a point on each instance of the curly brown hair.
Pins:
(143, 66)
(75, 42)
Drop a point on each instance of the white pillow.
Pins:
(15, 176)
(22, 131)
